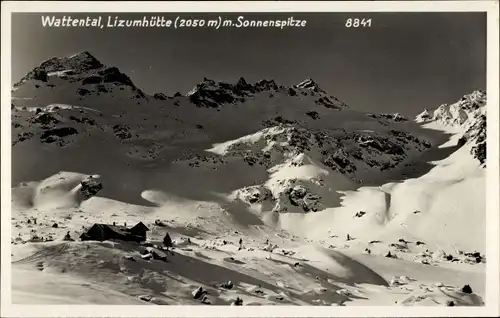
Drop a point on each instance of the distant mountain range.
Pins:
(77, 103)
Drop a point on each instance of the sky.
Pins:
(403, 62)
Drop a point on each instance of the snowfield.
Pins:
(272, 195)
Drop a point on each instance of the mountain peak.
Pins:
(309, 84)
(83, 56)
(82, 61)
(423, 116)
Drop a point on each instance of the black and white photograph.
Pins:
(285, 157)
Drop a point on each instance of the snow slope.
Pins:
(319, 194)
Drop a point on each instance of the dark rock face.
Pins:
(113, 75)
(392, 117)
(122, 131)
(83, 91)
(83, 120)
(90, 187)
(93, 79)
(314, 115)
(22, 137)
(479, 150)
(301, 197)
(278, 120)
(292, 92)
(404, 138)
(81, 61)
(476, 134)
(160, 96)
(265, 85)
(101, 88)
(45, 119)
(326, 102)
(211, 94)
(211, 98)
(381, 144)
(338, 160)
(258, 158)
(311, 85)
(85, 69)
(40, 75)
(53, 135)
(261, 196)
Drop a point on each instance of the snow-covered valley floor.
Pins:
(306, 260)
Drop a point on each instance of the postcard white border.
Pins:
(492, 307)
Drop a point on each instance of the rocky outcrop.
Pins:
(44, 119)
(389, 117)
(468, 113)
(160, 96)
(311, 85)
(211, 94)
(423, 116)
(57, 134)
(83, 68)
(90, 187)
(301, 197)
(457, 114)
(476, 134)
(313, 114)
(82, 61)
(122, 131)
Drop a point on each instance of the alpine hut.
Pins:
(103, 232)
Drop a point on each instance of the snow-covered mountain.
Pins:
(467, 114)
(228, 160)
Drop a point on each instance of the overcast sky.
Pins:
(402, 63)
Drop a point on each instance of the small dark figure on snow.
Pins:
(238, 302)
(241, 241)
(467, 289)
(167, 241)
(67, 237)
(349, 237)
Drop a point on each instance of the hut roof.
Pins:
(140, 226)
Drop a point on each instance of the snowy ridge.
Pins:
(460, 113)
(468, 116)
(291, 154)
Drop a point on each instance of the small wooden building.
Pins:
(103, 232)
(140, 230)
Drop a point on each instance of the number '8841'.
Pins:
(358, 23)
